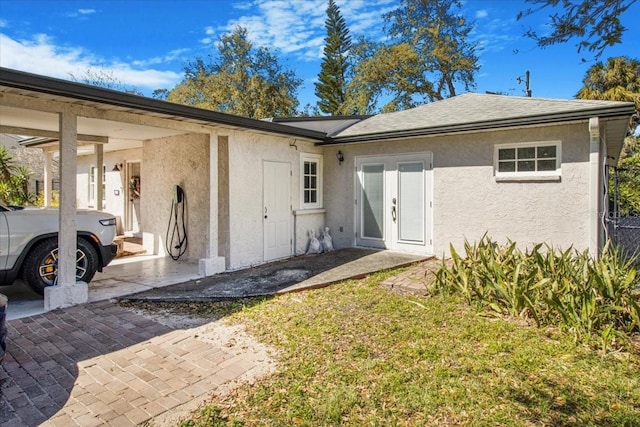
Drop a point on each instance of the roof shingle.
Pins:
(472, 108)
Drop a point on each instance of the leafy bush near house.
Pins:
(597, 300)
(55, 199)
(14, 181)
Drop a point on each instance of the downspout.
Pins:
(594, 187)
(295, 233)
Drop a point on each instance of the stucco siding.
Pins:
(467, 199)
(166, 162)
(247, 154)
(304, 222)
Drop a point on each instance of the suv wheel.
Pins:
(41, 265)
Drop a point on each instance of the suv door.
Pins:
(4, 243)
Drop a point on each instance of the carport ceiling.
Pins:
(14, 117)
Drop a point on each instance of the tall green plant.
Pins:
(332, 84)
(590, 298)
(14, 181)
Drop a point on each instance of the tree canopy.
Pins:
(14, 181)
(103, 78)
(240, 80)
(428, 57)
(332, 85)
(595, 23)
(617, 80)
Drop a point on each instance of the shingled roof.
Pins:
(473, 111)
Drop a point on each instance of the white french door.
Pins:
(277, 210)
(393, 202)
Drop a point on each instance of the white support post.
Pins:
(68, 292)
(99, 150)
(594, 186)
(48, 177)
(213, 263)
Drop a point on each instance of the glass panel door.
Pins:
(373, 201)
(393, 200)
(411, 207)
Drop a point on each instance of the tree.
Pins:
(240, 80)
(160, 94)
(431, 51)
(14, 185)
(103, 78)
(629, 178)
(394, 73)
(440, 36)
(7, 167)
(331, 86)
(618, 80)
(596, 23)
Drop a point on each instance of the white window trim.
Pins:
(553, 175)
(308, 157)
(93, 186)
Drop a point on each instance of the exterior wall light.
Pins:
(340, 156)
(117, 167)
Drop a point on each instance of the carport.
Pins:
(80, 116)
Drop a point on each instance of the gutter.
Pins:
(58, 87)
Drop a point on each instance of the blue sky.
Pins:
(145, 43)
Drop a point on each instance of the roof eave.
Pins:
(57, 87)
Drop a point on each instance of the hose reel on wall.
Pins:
(176, 239)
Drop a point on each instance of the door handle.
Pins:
(393, 213)
(265, 212)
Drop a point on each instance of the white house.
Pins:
(531, 170)
(528, 169)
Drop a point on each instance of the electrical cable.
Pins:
(177, 244)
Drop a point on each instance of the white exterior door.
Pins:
(393, 202)
(277, 210)
(132, 212)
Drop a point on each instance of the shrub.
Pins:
(590, 298)
(55, 199)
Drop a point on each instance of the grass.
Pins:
(355, 354)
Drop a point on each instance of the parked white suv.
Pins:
(29, 245)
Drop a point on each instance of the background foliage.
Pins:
(14, 181)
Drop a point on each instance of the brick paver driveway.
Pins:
(101, 364)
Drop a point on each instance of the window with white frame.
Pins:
(93, 182)
(310, 181)
(535, 159)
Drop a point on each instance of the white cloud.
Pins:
(81, 14)
(295, 27)
(492, 32)
(3, 23)
(245, 5)
(174, 55)
(41, 55)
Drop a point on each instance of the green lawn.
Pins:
(355, 354)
